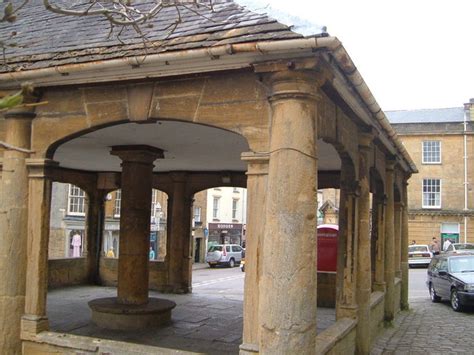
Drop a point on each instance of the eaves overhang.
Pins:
(347, 81)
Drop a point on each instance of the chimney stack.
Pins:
(469, 108)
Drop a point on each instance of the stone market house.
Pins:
(232, 98)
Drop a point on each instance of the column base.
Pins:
(380, 286)
(108, 313)
(346, 311)
(32, 325)
(248, 349)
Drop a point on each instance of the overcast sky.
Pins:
(411, 53)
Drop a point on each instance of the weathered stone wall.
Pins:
(67, 272)
(109, 273)
(339, 338)
(376, 314)
(326, 289)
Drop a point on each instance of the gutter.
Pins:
(332, 44)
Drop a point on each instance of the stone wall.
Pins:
(109, 271)
(67, 272)
(57, 244)
(340, 338)
(376, 314)
(423, 227)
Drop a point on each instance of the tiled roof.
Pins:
(454, 114)
(44, 39)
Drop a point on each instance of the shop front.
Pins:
(225, 233)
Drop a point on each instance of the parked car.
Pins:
(419, 254)
(242, 262)
(451, 276)
(459, 248)
(224, 254)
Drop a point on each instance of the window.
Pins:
(118, 200)
(235, 203)
(431, 193)
(76, 201)
(215, 208)
(155, 205)
(197, 214)
(431, 152)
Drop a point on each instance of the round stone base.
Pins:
(108, 313)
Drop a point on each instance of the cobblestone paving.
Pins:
(428, 328)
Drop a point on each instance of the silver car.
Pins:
(460, 248)
(224, 254)
(419, 254)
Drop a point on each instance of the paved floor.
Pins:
(202, 322)
(428, 328)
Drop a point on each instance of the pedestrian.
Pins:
(434, 246)
(152, 254)
(413, 242)
(110, 253)
(446, 244)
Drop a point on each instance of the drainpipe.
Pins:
(466, 113)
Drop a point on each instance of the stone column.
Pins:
(257, 176)
(95, 228)
(346, 279)
(404, 248)
(378, 211)
(136, 185)
(179, 241)
(389, 266)
(287, 300)
(398, 239)
(364, 280)
(13, 228)
(39, 206)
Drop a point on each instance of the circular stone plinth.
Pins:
(108, 313)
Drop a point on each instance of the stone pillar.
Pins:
(95, 228)
(398, 239)
(179, 251)
(287, 300)
(136, 185)
(257, 176)
(346, 279)
(404, 248)
(378, 211)
(364, 279)
(389, 247)
(13, 228)
(39, 206)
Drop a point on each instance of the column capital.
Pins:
(40, 168)
(294, 84)
(257, 163)
(390, 165)
(365, 139)
(144, 154)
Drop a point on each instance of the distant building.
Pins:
(440, 196)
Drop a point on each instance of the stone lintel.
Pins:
(137, 153)
(286, 65)
(32, 325)
(22, 115)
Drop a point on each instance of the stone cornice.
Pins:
(423, 212)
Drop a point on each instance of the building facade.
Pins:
(441, 195)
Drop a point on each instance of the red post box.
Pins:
(327, 247)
